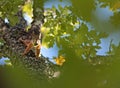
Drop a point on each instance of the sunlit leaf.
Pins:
(60, 60)
(27, 8)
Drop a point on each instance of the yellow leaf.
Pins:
(60, 60)
(27, 8)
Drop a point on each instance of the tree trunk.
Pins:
(13, 48)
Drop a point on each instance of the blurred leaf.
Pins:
(13, 19)
(102, 35)
(116, 5)
(115, 19)
(8, 62)
(83, 9)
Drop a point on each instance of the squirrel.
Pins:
(33, 39)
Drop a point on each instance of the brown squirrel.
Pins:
(33, 39)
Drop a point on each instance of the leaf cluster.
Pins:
(68, 32)
(8, 9)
